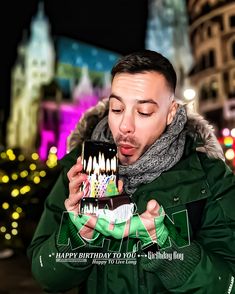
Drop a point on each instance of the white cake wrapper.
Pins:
(118, 215)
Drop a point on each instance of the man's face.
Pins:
(140, 107)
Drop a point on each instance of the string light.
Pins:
(5, 179)
(32, 166)
(35, 156)
(42, 173)
(32, 171)
(53, 149)
(229, 154)
(24, 174)
(3, 155)
(14, 176)
(14, 232)
(21, 157)
(9, 152)
(15, 192)
(233, 132)
(19, 209)
(14, 224)
(36, 180)
(25, 189)
(15, 215)
(12, 157)
(52, 160)
(5, 205)
(8, 236)
(3, 229)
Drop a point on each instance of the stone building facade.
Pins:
(212, 35)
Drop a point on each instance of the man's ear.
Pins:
(171, 112)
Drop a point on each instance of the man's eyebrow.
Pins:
(147, 101)
(143, 101)
(115, 96)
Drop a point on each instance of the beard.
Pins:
(128, 159)
(126, 139)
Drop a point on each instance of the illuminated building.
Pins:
(34, 67)
(167, 33)
(82, 78)
(212, 34)
(53, 83)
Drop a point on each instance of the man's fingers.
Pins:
(89, 220)
(153, 208)
(76, 182)
(73, 201)
(79, 160)
(76, 169)
(76, 178)
(120, 186)
(86, 232)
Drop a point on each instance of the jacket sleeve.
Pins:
(52, 275)
(208, 264)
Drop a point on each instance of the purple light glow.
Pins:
(225, 132)
(47, 137)
(62, 121)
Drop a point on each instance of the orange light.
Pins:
(228, 141)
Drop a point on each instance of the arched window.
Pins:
(204, 93)
(233, 80)
(232, 21)
(214, 89)
(209, 32)
(203, 62)
(232, 86)
(211, 58)
(233, 49)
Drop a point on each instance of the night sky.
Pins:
(117, 25)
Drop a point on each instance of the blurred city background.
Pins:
(56, 65)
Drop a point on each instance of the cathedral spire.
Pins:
(41, 10)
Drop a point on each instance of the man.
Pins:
(170, 162)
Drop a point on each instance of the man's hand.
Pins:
(76, 178)
(149, 225)
(72, 203)
(148, 218)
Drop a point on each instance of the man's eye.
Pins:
(144, 113)
(116, 110)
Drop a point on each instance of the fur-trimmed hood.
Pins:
(196, 125)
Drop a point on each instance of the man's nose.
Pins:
(127, 124)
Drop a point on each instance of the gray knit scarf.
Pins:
(163, 154)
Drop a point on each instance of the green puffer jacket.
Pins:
(208, 264)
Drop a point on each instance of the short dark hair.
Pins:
(145, 61)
